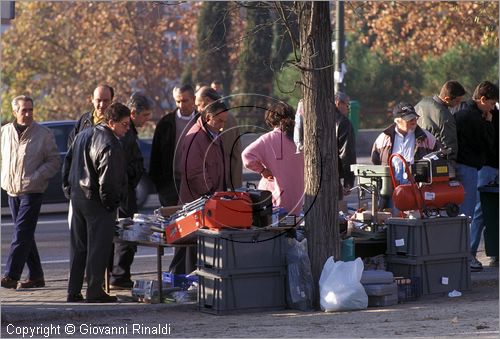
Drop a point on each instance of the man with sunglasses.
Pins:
(95, 180)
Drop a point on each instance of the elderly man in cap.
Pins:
(405, 137)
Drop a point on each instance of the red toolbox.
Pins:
(221, 210)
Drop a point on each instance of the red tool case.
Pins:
(221, 210)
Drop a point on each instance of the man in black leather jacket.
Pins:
(94, 178)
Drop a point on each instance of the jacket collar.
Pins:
(419, 132)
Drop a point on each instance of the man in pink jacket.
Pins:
(273, 156)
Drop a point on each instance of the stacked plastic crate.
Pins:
(241, 270)
(433, 250)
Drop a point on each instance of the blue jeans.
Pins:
(25, 210)
(468, 178)
(484, 176)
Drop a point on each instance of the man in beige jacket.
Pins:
(29, 159)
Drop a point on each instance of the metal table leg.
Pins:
(159, 255)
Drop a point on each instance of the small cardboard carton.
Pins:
(166, 211)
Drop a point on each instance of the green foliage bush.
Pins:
(377, 84)
(464, 63)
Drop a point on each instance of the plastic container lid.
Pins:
(489, 189)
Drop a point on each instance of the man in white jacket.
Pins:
(29, 159)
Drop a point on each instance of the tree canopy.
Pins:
(58, 51)
(401, 29)
(212, 59)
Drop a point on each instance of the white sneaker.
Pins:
(475, 264)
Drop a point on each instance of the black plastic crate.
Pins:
(427, 237)
(409, 289)
(241, 292)
(227, 250)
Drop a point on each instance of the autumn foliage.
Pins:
(400, 29)
(58, 51)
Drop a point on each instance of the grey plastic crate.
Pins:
(242, 292)
(427, 237)
(384, 300)
(440, 274)
(379, 290)
(240, 249)
(376, 277)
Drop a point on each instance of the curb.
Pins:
(46, 312)
(19, 312)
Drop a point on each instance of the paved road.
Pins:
(52, 237)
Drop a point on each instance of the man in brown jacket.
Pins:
(205, 170)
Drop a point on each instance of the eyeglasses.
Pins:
(124, 123)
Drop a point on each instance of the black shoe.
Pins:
(106, 298)
(75, 298)
(125, 285)
(8, 282)
(32, 283)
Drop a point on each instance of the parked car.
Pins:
(54, 193)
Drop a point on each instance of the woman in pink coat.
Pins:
(273, 156)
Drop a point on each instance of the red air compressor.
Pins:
(430, 189)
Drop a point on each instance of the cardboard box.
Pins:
(166, 211)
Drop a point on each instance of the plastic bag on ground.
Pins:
(299, 275)
(340, 288)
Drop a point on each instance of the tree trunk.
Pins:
(320, 140)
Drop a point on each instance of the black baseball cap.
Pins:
(405, 111)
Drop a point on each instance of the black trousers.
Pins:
(169, 195)
(124, 252)
(92, 230)
(184, 260)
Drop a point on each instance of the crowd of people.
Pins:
(466, 130)
(196, 151)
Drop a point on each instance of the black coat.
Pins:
(161, 164)
(476, 136)
(94, 168)
(85, 121)
(135, 169)
(346, 144)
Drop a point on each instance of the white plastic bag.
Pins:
(340, 288)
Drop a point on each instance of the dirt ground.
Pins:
(474, 314)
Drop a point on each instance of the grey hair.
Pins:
(341, 96)
(139, 102)
(15, 101)
(182, 89)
